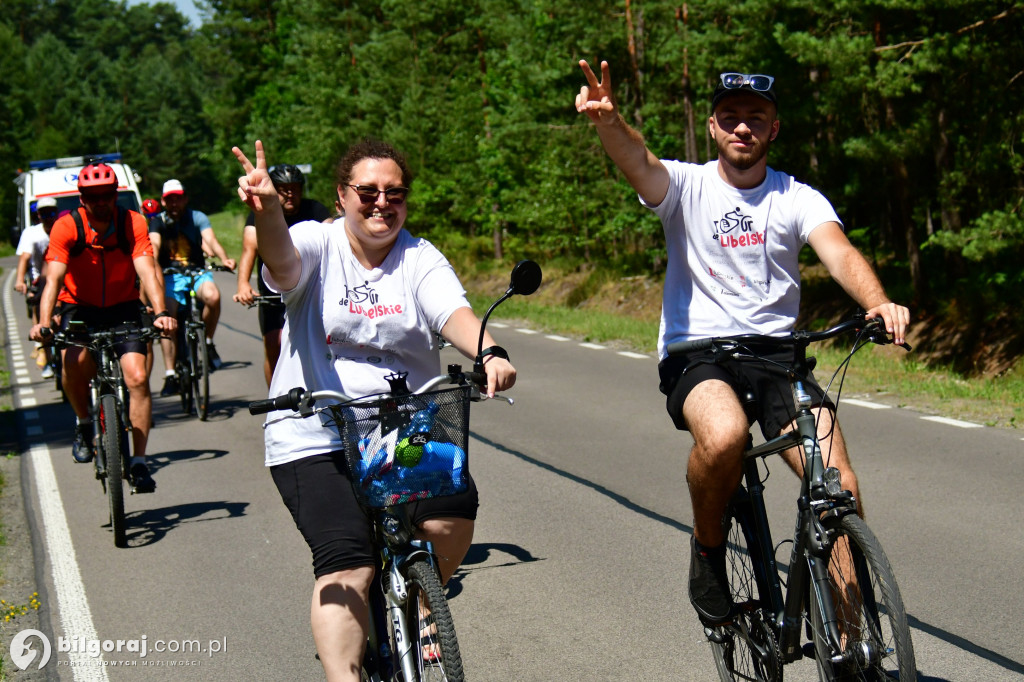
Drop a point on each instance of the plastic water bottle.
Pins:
(412, 438)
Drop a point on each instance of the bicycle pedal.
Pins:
(715, 635)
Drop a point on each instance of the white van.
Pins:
(58, 178)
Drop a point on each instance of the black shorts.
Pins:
(128, 314)
(767, 383)
(271, 317)
(318, 492)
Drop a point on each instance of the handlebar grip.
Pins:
(478, 378)
(289, 401)
(684, 347)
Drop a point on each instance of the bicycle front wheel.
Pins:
(111, 428)
(200, 375)
(865, 611)
(430, 621)
(748, 648)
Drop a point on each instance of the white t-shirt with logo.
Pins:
(732, 253)
(34, 241)
(347, 327)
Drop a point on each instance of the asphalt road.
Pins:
(578, 566)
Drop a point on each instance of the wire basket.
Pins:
(406, 448)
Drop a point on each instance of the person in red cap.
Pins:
(94, 272)
(733, 228)
(182, 236)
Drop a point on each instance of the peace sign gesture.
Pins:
(255, 187)
(596, 99)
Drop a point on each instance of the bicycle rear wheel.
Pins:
(429, 619)
(869, 613)
(200, 374)
(748, 648)
(111, 441)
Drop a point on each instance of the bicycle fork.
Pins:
(394, 588)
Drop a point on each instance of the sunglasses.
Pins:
(756, 81)
(369, 193)
(99, 198)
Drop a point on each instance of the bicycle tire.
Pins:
(111, 437)
(181, 371)
(735, 658)
(200, 375)
(882, 648)
(427, 595)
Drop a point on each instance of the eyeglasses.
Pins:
(368, 193)
(46, 212)
(98, 198)
(756, 81)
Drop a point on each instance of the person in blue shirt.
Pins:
(182, 236)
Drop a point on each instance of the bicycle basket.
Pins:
(406, 448)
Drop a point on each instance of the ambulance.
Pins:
(58, 178)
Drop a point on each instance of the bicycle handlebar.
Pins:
(265, 299)
(86, 338)
(871, 329)
(195, 270)
(299, 398)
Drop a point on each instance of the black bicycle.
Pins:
(192, 361)
(108, 407)
(840, 588)
(402, 447)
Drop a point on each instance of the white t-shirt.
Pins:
(347, 327)
(34, 241)
(732, 253)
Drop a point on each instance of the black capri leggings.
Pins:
(318, 492)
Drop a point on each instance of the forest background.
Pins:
(907, 114)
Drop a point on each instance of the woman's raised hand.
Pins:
(255, 187)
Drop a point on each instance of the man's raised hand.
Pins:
(595, 98)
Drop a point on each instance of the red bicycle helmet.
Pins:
(97, 177)
(150, 206)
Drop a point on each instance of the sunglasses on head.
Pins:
(756, 81)
(369, 193)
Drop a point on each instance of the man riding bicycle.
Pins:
(182, 236)
(734, 228)
(96, 257)
(31, 254)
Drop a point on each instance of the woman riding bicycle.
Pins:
(364, 299)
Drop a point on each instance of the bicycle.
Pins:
(394, 463)
(192, 360)
(840, 585)
(108, 407)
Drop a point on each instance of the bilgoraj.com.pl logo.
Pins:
(23, 653)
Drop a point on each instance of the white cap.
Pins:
(173, 187)
(46, 202)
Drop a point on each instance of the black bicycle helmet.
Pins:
(286, 174)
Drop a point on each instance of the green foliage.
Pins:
(908, 114)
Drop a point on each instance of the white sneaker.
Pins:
(48, 372)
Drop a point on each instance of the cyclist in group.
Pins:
(733, 228)
(150, 208)
(182, 236)
(96, 259)
(289, 182)
(407, 293)
(28, 279)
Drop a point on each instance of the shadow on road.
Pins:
(480, 553)
(151, 525)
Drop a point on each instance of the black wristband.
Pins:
(162, 313)
(494, 350)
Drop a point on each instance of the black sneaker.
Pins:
(171, 386)
(211, 355)
(81, 448)
(709, 584)
(140, 479)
